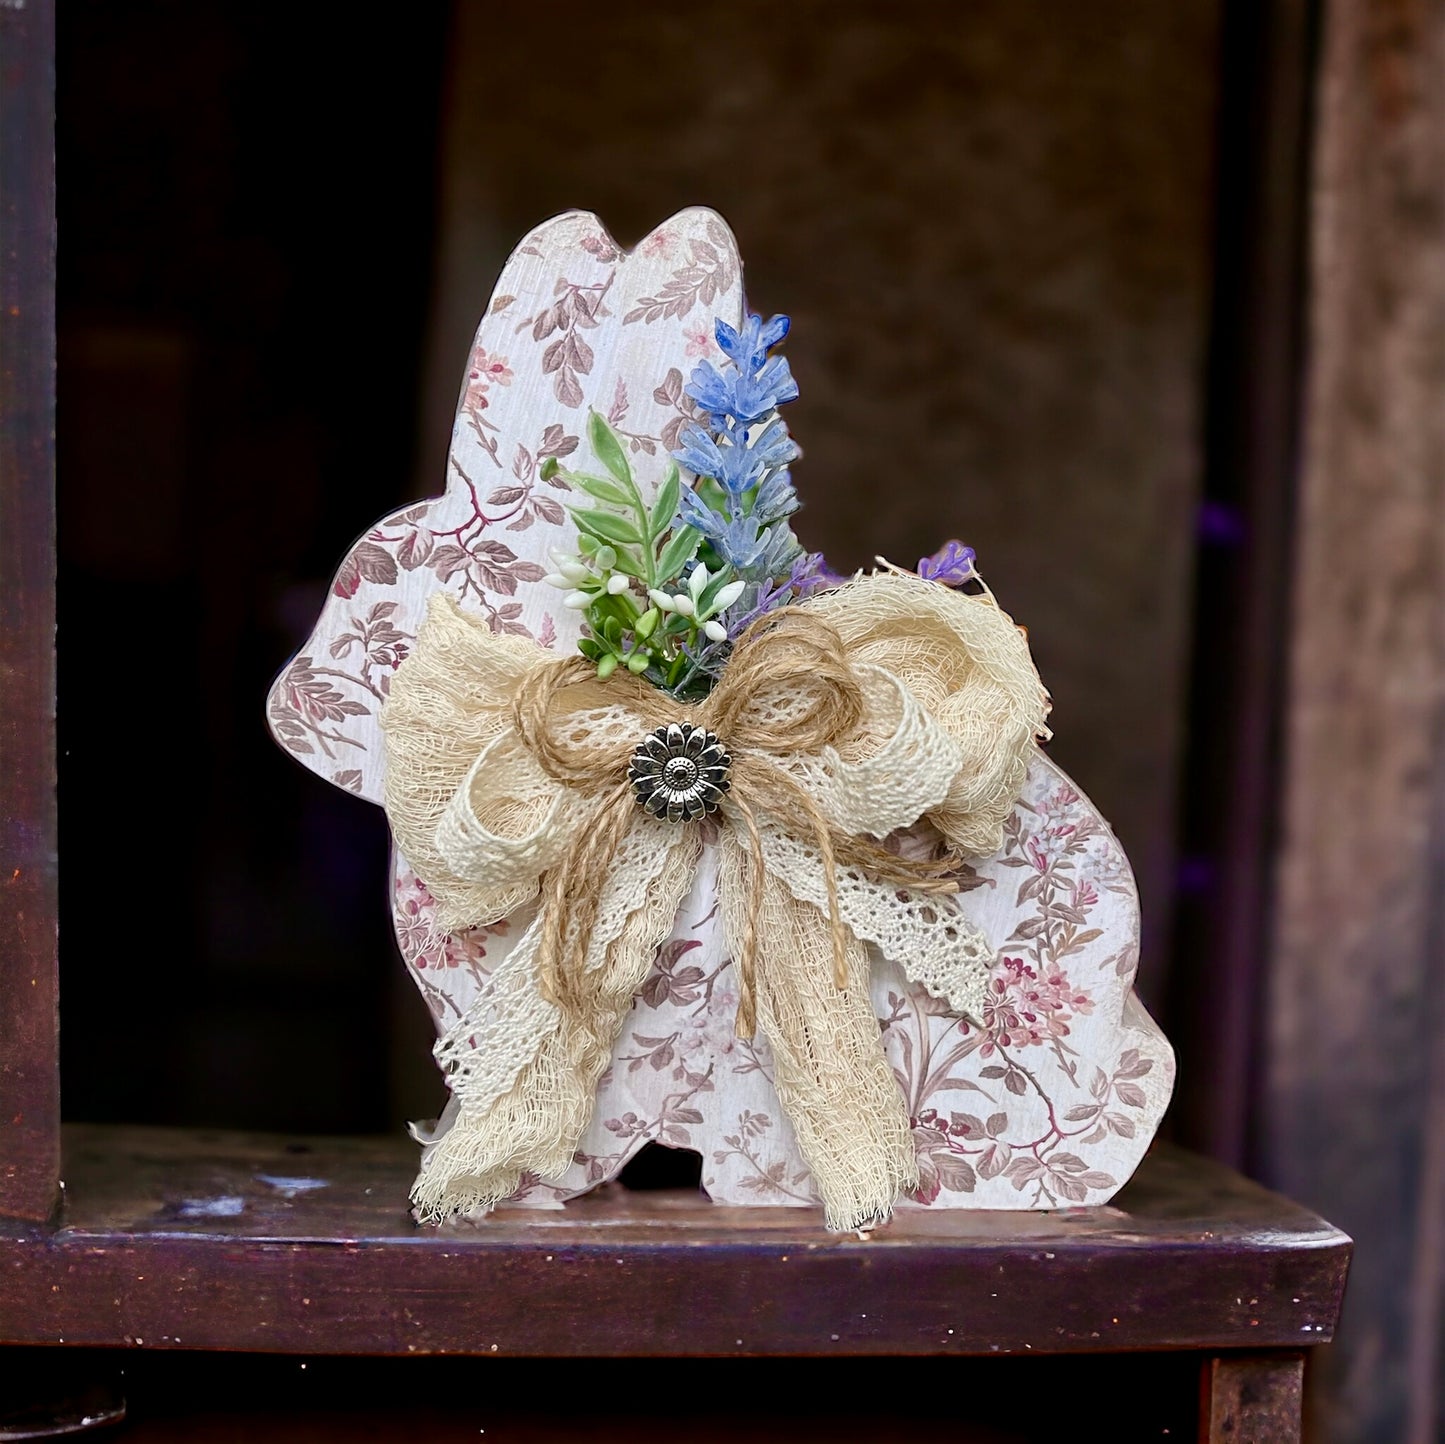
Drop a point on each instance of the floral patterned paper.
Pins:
(1051, 1102)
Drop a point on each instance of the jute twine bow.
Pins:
(789, 652)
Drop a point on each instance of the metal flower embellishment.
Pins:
(680, 772)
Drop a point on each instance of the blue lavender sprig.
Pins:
(740, 397)
(737, 467)
(748, 349)
(744, 452)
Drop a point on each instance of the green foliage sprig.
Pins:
(650, 605)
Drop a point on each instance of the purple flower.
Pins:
(951, 564)
(809, 573)
(813, 574)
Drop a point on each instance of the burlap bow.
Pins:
(848, 718)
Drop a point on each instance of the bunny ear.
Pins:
(575, 324)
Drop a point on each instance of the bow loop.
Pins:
(788, 687)
(508, 822)
(580, 730)
(895, 768)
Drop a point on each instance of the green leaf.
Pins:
(622, 607)
(664, 506)
(637, 662)
(607, 666)
(549, 468)
(601, 489)
(680, 549)
(606, 525)
(608, 448)
(647, 623)
(590, 649)
(627, 563)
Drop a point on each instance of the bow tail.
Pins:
(525, 1097)
(830, 1073)
(926, 934)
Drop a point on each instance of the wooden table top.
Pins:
(208, 1240)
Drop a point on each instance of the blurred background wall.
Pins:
(1049, 269)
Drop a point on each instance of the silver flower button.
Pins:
(679, 772)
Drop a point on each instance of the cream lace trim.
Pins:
(523, 1072)
(900, 765)
(449, 700)
(927, 936)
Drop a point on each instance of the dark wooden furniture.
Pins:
(218, 1241)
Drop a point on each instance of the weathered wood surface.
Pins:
(1354, 1096)
(227, 1241)
(29, 1071)
(1252, 1399)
